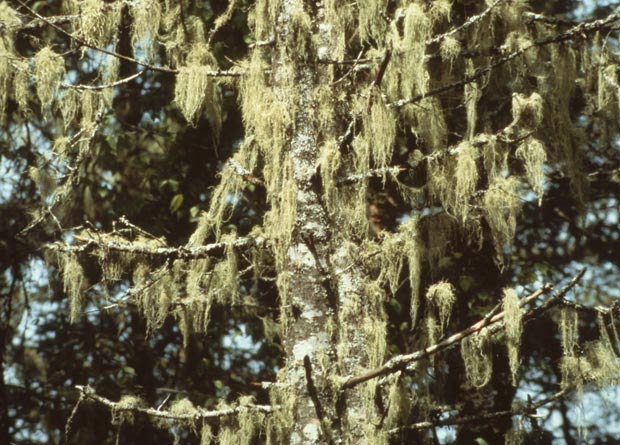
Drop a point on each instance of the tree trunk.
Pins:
(322, 337)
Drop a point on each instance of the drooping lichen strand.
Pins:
(243, 429)
(74, 284)
(99, 21)
(49, 69)
(534, 156)
(501, 207)
(45, 182)
(122, 412)
(379, 132)
(476, 352)
(440, 297)
(196, 91)
(370, 24)
(266, 118)
(454, 182)
(147, 15)
(416, 30)
(514, 328)
(569, 331)
(527, 111)
(280, 423)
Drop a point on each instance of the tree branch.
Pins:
(82, 42)
(89, 393)
(526, 410)
(580, 30)
(103, 87)
(401, 361)
(185, 253)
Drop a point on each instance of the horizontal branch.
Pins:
(395, 170)
(400, 362)
(198, 414)
(470, 21)
(106, 86)
(525, 410)
(87, 245)
(581, 30)
(148, 66)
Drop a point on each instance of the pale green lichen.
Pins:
(49, 69)
(513, 315)
(534, 156)
(147, 15)
(74, 284)
(195, 90)
(440, 297)
(501, 206)
(476, 351)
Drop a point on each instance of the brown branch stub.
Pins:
(247, 175)
(495, 324)
(312, 391)
(200, 414)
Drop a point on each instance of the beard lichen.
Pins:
(417, 28)
(440, 298)
(99, 21)
(513, 315)
(533, 154)
(196, 91)
(123, 413)
(454, 182)
(146, 18)
(379, 133)
(49, 69)
(74, 284)
(476, 351)
(501, 207)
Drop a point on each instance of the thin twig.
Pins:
(88, 245)
(470, 21)
(401, 361)
(579, 31)
(199, 413)
(528, 410)
(103, 87)
(239, 170)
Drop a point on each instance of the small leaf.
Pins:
(176, 202)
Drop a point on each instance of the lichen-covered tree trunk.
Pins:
(316, 282)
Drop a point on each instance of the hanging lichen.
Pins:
(527, 111)
(196, 91)
(513, 315)
(477, 355)
(45, 182)
(501, 206)
(569, 331)
(472, 93)
(440, 297)
(449, 49)
(49, 69)
(454, 183)
(99, 21)
(379, 132)
(123, 410)
(369, 19)
(206, 434)
(146, 19)
(74, 284)
(533, 154)
(416, 30)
